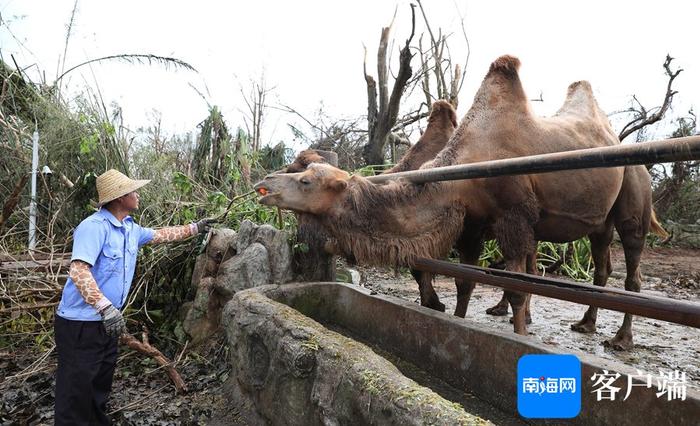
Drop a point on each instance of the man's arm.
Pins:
(87, 287)
(177, 233)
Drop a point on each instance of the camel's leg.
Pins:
(501, 308)
(632, 213)
(469, 247)
(632, 237)
(515, 234)
(428, 297)
(518, 301)
(600, 252)
(531, 268)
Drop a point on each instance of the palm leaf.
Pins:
(135, 58)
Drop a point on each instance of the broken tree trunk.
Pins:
(382, 116)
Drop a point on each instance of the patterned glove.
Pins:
(113, 321)
(204, 225)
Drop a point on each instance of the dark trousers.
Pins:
(86, 361)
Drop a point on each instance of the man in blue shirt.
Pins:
(88, 319)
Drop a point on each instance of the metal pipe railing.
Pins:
(661, 308)
(667, 150)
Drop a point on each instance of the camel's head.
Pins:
(315, 190)
(303, 160)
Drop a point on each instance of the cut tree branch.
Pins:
(145, 348)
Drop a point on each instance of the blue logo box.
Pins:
(549, 386)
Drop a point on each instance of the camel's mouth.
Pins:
(265, 195)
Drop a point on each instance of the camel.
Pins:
(302, 161)
(442, 123)
(395, 223)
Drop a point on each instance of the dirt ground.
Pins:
(142, 394)
(659, 345)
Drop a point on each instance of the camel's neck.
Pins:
(394, 224)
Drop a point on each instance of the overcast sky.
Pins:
(312, 51)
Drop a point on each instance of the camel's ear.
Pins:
(338, 185)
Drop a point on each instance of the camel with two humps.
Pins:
(395, 223)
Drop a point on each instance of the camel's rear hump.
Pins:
(506, 66)
(581, 102)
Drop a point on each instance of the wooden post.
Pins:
(311, 261)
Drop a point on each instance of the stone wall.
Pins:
(297, 372)
(234, 261)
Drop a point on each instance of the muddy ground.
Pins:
(143, 395)
(659, 345)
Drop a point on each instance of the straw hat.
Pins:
(113, 184)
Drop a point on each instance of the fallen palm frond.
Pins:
(134, 58)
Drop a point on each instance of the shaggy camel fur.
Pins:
(397, 222)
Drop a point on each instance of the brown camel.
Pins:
(302, 161)
(395, 223)
(442, 123)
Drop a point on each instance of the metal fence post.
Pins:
(32, 203)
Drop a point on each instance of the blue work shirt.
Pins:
(110, 248)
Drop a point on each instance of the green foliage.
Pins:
(189, 181)
(182, 183)
(273, 158)
(490, 253)
(373, 169)
(574, 257)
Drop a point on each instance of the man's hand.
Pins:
(204, 225)
(113, 321)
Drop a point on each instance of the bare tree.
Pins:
(255, 102)
(438, 78)
(643, 117)
(383, 111)
(436, 61)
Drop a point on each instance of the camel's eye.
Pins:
(305, 181)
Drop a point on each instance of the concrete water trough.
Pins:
(329, 353)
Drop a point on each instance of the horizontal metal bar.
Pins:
(662, 151)
(661, 308)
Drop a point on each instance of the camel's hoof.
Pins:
(584, 326)
(522, 332)
(619, 343)
(528, 319)
(438, 306)
(498, 310)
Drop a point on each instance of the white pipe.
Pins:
(32, 203)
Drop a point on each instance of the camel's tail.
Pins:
(656, 227)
